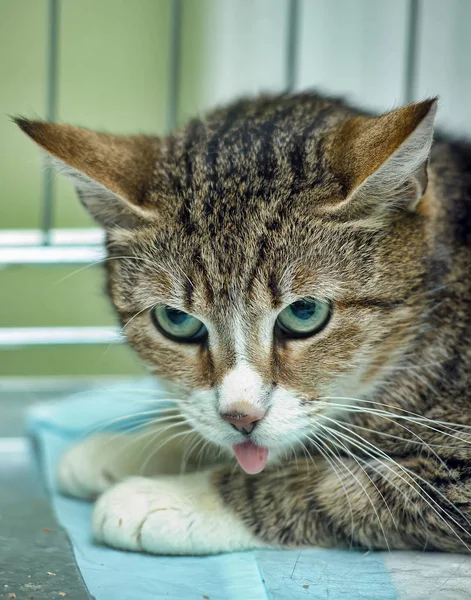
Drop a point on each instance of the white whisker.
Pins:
(368, 497)
(336, 471)
(367, 447)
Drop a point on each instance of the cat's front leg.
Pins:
(222, 510)
(213, 511)
(410, 504)
(97, 463)
(176, 514)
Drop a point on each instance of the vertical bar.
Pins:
(292, 45)
(51, 113)
(174, 64)
(410, 71)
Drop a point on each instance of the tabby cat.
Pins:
(297, 271)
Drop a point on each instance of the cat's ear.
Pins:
(382, 161)
(112, 174)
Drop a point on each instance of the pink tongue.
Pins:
(250, 457)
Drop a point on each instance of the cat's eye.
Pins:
(304, 318)
(178, 325)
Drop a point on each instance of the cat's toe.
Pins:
(144, 514)
(121, 512)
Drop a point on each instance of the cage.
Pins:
(148, 65)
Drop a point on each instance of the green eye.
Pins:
(304, 318)
(178, 325)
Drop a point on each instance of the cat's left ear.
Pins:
(382, 161)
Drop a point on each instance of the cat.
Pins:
(297, 271)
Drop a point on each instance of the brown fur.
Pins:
(362, 144)
(245, 209)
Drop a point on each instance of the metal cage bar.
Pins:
(410, 69)
(19, 337)
(51, 114)
(51, 255)
(292, 45)
(67, 246)
(173, 99)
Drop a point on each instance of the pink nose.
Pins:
(243, 422)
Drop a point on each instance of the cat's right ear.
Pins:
(382, 162)
(112, 174)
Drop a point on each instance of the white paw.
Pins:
(91, 467)
(170, 515)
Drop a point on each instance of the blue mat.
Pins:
(275, 575)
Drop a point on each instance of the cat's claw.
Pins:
(169, 515)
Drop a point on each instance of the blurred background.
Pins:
(144, 66)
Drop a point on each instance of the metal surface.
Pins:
(36, 558)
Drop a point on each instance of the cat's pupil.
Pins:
(303, 310)
(177, 317)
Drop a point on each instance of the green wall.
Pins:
(112, 75)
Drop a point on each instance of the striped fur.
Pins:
(243, 212)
